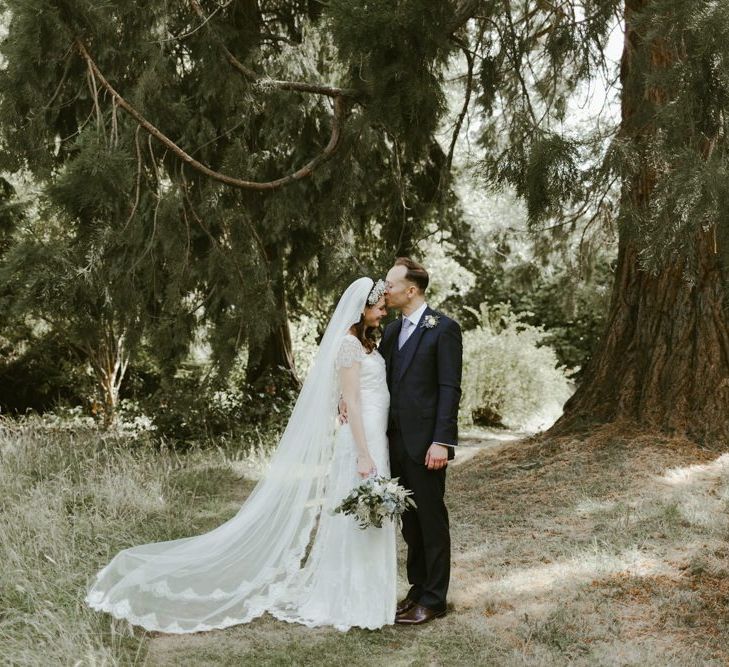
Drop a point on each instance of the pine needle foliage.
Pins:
(396, 54)
(681, 131)
(537, 56)
(179, 248)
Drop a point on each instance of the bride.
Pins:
(258, 561)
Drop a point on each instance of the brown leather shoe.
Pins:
(418, 614)
(404, 605)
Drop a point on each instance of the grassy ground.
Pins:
(609, 549)
(68, 502)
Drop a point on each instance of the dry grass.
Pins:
(71, 500)
(607, 549)
(589, 548)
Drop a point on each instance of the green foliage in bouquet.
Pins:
(374, 500)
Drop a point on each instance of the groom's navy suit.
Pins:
(424, 379)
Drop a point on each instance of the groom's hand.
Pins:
(436, 457)
(342, 412)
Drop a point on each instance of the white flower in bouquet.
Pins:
(374, 500)
(362, 514)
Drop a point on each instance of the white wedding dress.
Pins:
(350, 578)
(257, 561)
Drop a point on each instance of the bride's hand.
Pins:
(366, 466)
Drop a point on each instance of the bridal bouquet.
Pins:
(375, 499)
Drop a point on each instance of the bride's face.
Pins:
(373, 314)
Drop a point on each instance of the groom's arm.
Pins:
(450, 363)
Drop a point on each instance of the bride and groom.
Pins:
(286, 552)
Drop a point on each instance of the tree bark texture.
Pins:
(663, 361)
(274, 356)
(109, 359)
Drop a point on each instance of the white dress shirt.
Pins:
(409, 322)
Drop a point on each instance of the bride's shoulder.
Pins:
(351, 341)
(350, 350)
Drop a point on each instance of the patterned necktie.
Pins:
(404, 332)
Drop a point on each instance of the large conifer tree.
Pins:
(658, 174)
(212, 146)
(665, 355)
(663, 360)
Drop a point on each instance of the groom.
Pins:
(423, 352)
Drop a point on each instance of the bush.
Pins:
(570, 302)
(40, 374)
(194, 406)
(189, 408)
(571, 311)
(510, 377)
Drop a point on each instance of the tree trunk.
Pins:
(663, 361)
(272, 361)
(109, 360)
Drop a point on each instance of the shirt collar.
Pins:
(415, 316)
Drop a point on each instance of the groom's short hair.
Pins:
(416, 273)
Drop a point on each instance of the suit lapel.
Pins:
(412, 344)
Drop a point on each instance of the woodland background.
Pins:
(186, 189)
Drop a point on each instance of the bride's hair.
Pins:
(365, 334)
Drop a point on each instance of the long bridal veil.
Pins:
(235, 572)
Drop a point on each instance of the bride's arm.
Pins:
(349, 380)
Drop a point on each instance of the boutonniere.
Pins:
(430, 321)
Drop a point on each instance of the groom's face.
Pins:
(398, 291)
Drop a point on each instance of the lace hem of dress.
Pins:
(258, 605)
(122, 611)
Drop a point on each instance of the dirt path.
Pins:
(602, 550)
(474, 442)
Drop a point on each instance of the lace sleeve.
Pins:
(350, 352)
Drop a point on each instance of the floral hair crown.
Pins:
(376, 294)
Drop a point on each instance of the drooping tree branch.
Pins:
(340, 96)
(465, 10)
(264, 81)
(303, 172)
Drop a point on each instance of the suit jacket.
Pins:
(424, 397)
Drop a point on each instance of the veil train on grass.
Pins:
(232, 574)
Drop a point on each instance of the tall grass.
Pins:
(69, 501)
(599, 551)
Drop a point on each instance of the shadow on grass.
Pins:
(607, 549)
(542, 530)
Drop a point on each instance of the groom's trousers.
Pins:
(425, 529)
